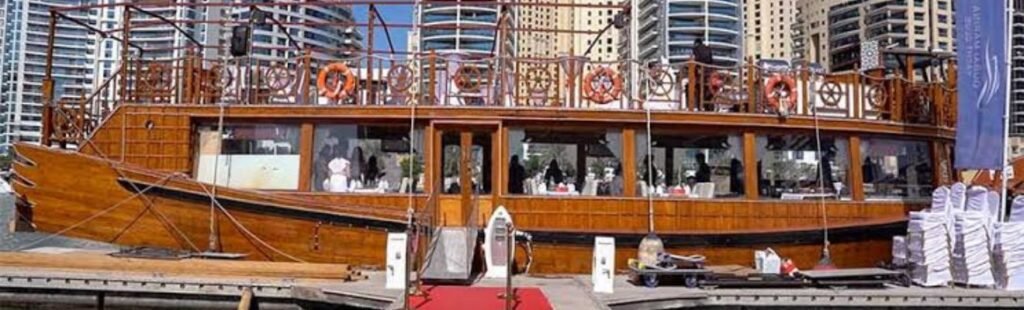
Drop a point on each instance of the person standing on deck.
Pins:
(704, 58)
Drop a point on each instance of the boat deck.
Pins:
(32, 286)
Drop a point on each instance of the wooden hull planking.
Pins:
(325, 229)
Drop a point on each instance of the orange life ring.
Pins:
(716, 81)
(333, 91)
(773, 100)
(602, 95)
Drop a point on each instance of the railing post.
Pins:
(370, 96)
(307, 74)
(48, 83)
(752, 80)
(691, 85)
(125, 32)
(858, 91)
(805, 86)
(432, 84)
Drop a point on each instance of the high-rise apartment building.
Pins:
(26, 33)
(476, 33)
(667, 30)
(83, 59)
(925, 25)
(1017, 74)
(537, 43)
(271, 42)
(606, 47)
(767, 27)
(810, 32)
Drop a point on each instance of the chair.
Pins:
(940, 199)
(957, 196)
(977, 199)
(1017, 209)
(705, 190)
(590, 189)
(404, 186)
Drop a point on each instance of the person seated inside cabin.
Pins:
(703, 169)
(825, 171)
(553, 175)
(453, 189)
(372, 173)
(356, 170)
(516, 176)
(649, 172)
(618, 184)
(736, 176)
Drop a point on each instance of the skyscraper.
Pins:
(810, 31)
(924, 25)
(26, 33)
(1017, 74)
(669, 33)
(476, 35)
(767, 27)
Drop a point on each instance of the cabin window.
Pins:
(796, 167)
(690, 165)
(249, 156)
(565, 163)
(896, 169)
(366, 159)
(479, 162)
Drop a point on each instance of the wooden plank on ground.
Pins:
(202, 267)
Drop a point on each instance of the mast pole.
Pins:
(1006, 116)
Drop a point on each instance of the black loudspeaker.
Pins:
(240, 40)
(259, 17)
(619, 21)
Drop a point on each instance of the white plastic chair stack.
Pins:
(1017, 210)
(928, 246)
(1009, 249)
(957, 197)
(972, 264)
(940, 200)
(899, 250)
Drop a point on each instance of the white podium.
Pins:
(603, 273)
(396, 257)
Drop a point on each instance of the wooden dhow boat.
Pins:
(316, 155)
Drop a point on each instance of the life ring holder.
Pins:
(772, 92)
(337, 90)
(602, 85)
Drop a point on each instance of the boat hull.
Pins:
(84, 196)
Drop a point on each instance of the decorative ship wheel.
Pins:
(400, 78)
(468, 78)
(156, 78)
(660, 81)
(876, 96)
(830, 93)
(278, 77)
(538, 80)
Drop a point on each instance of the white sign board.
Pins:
(395, 261)
(603, 273)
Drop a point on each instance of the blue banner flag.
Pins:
(981, 40)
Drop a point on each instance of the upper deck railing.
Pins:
(310, 76)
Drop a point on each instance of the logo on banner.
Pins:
(981, 35)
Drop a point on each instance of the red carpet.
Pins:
(482, 298)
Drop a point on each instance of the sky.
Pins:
(398, 14)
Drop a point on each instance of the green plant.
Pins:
(417, 167)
